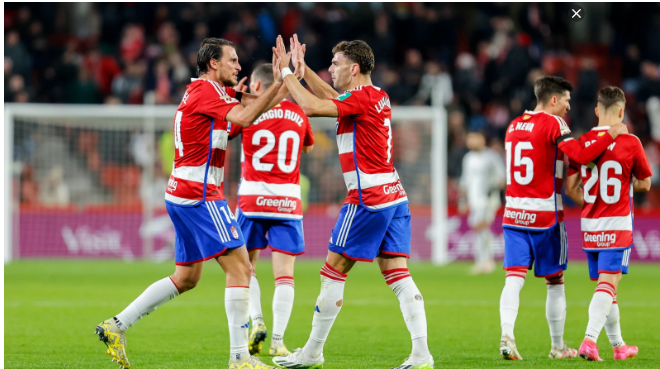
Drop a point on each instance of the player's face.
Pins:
(563, 104)
(228, 67)
(475, 141)
(340, 71)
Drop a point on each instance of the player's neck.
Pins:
(608, 121)
(210, 77)
(544, 109)
(361, 80)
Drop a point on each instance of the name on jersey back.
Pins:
(385, 101)
(522, 126)
(280, 114)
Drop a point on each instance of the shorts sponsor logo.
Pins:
(602, 240)
(387, 189)
(283, 205)
(520, 217)
(171, 185)
(234, 232)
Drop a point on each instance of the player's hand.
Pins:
(241, 87)
(277, 73)
(285, 58)
(298, 56)
(618, 129)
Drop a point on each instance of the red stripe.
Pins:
(177, 287)
(609, 272)
(549, 275)
(237, 287)
(335, 270)
(390, 281)
(396, 254)
(606, 283)
(277, 279)
(390, 271)
(357, 259)
(521, 268)
(332, 277)
(346, 161)
(286, 252)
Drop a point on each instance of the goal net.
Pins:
(89, 181)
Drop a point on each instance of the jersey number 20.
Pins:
(281, 150)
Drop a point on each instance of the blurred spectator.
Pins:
(53, 190)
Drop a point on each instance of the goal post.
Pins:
(87, 181)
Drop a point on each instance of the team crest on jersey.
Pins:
(601, 134)
(343, 96)
(234, 232)
(526, 117)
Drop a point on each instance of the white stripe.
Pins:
(221, 224)
(607, 224)
(219, 139)
(179, 200)
(528, 203)
(348, 229)
(559, 169)
(343, 224)
(218, 89)
(196, 174)
(388, 204)
(369, 180)
(271, 215)
(345, 142)
(269, 189)
(215, 222)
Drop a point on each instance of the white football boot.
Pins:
(299, 360)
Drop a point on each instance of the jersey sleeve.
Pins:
(348, 104)
(309, 136)
(641, 167)
(216, 101)
(234, 131)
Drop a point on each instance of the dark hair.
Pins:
(210, 48)
(358, 52)
(611, 95)
(549, 86)
(264, 74)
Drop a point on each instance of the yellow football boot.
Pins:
(258, 335)
(114, 339)
(279, 350)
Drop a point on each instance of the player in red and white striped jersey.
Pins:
(607, 218)
(205, 227)
(534, 232)
(375, 220)
(270, 205)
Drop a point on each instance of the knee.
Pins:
(185, 283)
(555, 280)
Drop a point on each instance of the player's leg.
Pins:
(254, 231)
(483, 255)
(282, 301)
(328, 305)
(613, 323)
(550, 253)
(518, 258)
(187, 273)
(392, 261)
(286, 239)
(599, 308)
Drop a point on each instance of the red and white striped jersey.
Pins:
(534, 171)
(607, 213)
(364, 138)
(270, 184)
(200, 141)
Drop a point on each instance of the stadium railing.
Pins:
(88, 181)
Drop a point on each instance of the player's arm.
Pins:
(641, 169)
(641, 185)
(307, 149)
(569, 146)
(247, 98)
(308, 140)
(311, 105)
(573, 190)
(244, 115)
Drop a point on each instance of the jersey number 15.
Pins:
(519, 160)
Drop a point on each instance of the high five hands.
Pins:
(283, 59)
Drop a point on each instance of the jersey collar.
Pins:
(601, 128)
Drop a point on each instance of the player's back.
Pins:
(607, 214)
(534, 171)
(272, 145)
(364, 139)
(481, 172)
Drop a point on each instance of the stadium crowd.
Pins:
(484, 57)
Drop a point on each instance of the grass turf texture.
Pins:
(52, 307)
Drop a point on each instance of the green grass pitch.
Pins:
(52, 307)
